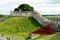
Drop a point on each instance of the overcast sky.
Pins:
(44, 6)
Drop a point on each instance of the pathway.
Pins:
(34, 36)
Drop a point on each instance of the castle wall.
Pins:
(20, 13)
(41, 20)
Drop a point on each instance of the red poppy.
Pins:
(45, 30)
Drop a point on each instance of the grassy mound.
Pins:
(19, 24)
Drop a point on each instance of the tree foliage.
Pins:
(16, 9)
(24, 7)
(4, 16)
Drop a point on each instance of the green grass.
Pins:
(19, 24)
(49, 37)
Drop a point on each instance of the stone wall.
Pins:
(20, 13)
(41, 20)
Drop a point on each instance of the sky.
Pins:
(43, 6)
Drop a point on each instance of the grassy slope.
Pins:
(19, 24)
(26, 25)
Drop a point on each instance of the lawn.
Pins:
(18, 36)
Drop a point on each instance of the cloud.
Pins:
(8, 5)
(53, 1)
(40, 5)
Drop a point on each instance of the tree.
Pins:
(25, 7)
(1, 15)
(16, 9)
